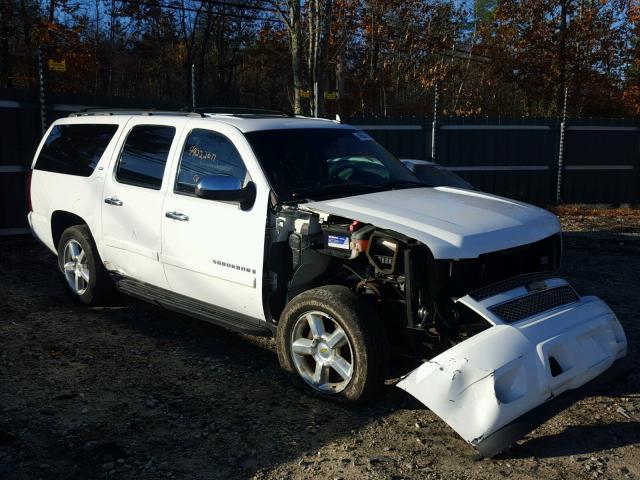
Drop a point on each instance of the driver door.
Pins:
(212, 251)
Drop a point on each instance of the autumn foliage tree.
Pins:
(373, 57)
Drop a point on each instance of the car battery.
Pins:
(337, 238)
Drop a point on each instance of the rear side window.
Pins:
(144, 155)
(75, 149)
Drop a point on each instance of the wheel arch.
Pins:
(364, 328)
(60, 221)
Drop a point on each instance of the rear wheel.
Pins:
(334, 343)
(84, 277)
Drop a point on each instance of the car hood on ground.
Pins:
(454, 223)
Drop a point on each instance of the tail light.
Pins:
(29, 206)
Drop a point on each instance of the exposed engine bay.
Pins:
(413, 292)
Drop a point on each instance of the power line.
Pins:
(199, 10)
(239, 5)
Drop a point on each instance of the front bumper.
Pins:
(518, 428)
(501, 383)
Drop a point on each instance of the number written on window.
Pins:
(208, 153)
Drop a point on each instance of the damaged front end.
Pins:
(508, 341)
(544, 340)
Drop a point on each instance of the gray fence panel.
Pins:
(600, 186)
(13, 214)
(602, 164)
(20, 135)
(530, 149)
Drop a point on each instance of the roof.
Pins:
(245, 122)
(252, 123)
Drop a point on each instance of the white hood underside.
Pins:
(452, 222)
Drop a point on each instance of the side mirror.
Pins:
(226, 189)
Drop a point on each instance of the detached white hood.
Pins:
(453, 223)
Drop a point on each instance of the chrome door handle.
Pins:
(177, 216)
(113, 201)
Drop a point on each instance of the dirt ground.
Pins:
(135, 392)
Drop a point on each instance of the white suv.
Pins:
(310, 231)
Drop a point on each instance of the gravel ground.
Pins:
(137, 392)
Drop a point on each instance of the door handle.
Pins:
(113, 201)
(177, 216)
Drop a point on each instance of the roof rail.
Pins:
(129, 111)
(243, 111)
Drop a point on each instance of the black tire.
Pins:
(366, 334)
(100, 287)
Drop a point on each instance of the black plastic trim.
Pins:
(510, 284)
(192, 307)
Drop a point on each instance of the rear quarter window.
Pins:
(75, 149)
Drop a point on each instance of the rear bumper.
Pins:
(510, 433)
(41, 230)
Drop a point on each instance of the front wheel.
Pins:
(335, 343)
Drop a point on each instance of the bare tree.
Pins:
(319, 23)
(291, 13)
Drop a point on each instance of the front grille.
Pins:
(525, 307)
(501, 287)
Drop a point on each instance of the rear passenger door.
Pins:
(132, 199)
(213, 250)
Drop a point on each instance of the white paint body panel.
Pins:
(206, 257)
(454, 223)
(131, 233)
(82, 196)
(496, 376)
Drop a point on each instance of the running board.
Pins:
(192, 307)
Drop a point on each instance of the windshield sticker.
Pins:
(362, 136)
(201, 154)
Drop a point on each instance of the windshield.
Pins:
(441, 177)
(323, 163)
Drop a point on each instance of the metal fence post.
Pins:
(434, 124)
(561, 149)
(43, 111)
(315, 100)
(193, 86)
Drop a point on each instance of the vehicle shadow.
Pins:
(578, 440)
(587, 438)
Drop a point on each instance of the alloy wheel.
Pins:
(321, 352)
(75, 266)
